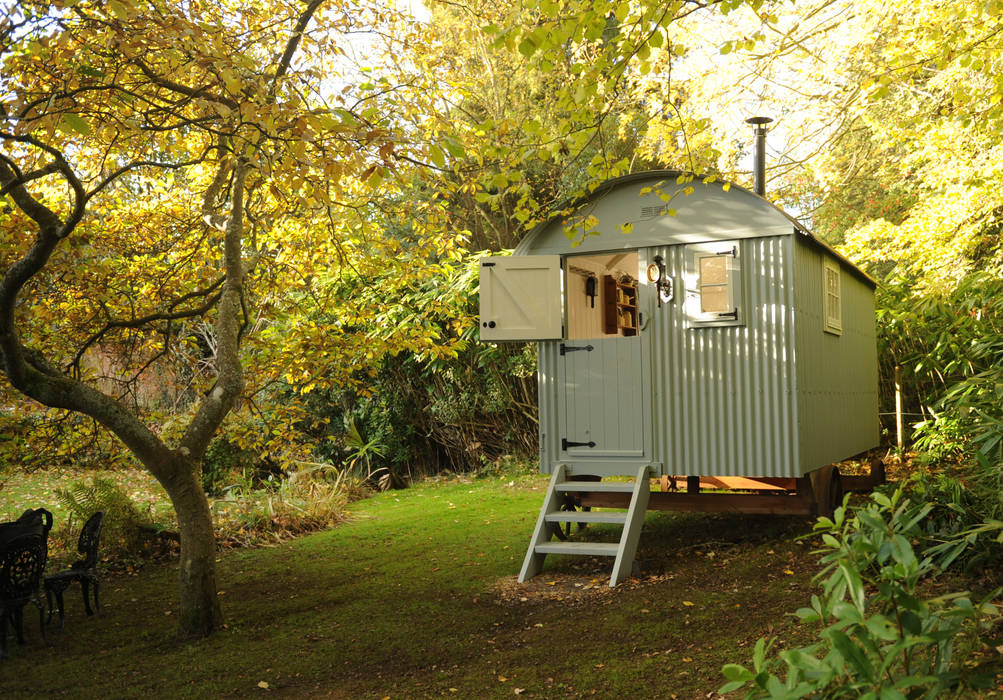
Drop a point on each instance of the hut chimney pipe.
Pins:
(759, 162)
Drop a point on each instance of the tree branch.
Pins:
(23, 179)
(202, 92)
(141, 321)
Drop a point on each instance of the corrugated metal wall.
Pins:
(837, 375)
(550, 439)
(724, 397)
(772, 397)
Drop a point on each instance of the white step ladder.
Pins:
(551, 518)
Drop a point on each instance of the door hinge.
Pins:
(565, 444)
(574, 348)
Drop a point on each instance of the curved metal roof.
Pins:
(652, 208)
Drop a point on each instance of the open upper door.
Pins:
(521, 298)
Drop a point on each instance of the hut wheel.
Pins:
(570, 505)
(835, 490)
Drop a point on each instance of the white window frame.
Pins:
(698, 318)
(832, 301)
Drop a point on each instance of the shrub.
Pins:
(880, 637)
(311, 498)
(126, 531)
(226, 463)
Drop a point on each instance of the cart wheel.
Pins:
(570, 505)
(835, 490)
(827, 485)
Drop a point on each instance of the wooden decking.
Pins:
(770, 496)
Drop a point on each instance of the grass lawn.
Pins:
(416, 597)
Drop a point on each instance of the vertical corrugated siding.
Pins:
(837, 374)
(724, 397)
(547, 353)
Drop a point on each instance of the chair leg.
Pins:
(97, 603)
(4, 614)
(59, 604)
(86, 585)
(41, 620)
(18, 613)
(48, 604)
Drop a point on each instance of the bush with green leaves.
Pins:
(949, 347)
(431, 413)
(959, 505)
(881, 636)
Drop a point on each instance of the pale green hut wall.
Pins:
(837, 375)
(724, 397)
(775, 396)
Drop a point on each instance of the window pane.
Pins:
(713, 270)
(714, 298)
(832, 281)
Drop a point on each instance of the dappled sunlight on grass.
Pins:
(38, 490)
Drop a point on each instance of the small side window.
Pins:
(713, 284)
(831, 301)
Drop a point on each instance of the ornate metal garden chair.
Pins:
(83, 570)
(23, 549)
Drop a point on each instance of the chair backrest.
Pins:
(36, 518)
(90, 537)
(22, 559)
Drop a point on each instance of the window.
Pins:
(831, 303)
(713, 284)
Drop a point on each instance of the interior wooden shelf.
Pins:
(619, 306)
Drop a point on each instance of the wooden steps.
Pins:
(616, 518)
(595, 487)
(635, 496)
(582, 549)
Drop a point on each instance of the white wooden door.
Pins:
(602, 394)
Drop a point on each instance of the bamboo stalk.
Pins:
(898, 407)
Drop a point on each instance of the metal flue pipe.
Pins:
(759, 155)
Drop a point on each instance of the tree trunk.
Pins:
(199, 611)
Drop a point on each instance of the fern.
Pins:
(124, 523)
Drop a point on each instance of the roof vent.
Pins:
(759, 166)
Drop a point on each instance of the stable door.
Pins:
(601, 364)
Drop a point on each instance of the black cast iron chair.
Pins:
(83, 570)
(32, 516)
(23, 551)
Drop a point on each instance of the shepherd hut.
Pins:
(691, 333)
